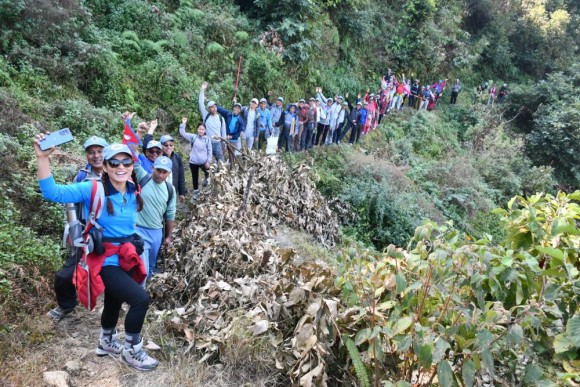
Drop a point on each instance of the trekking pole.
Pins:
(238, 78)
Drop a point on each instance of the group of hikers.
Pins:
(125, 198)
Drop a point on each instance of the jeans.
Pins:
(119, 288)
(217, 151)
(284, 139)
(249, 139)
(306, 138)
(152, 239)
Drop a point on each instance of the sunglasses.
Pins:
(114, 163)
(155, 152)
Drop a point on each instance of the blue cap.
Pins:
(163, 162)
(164, 139)
(153, 144)
(95, 140)
(112, 150)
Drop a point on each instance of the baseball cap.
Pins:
(302, 100)
(345, 103)
(339, 97)
(263, 100)
(163, 162)
(238, 105)
(210, 103)
(153, 144)
(165, 138)
(95, 140)
(112, 150)
(281, 99)
(311, 99)
(359, 103)
(255, 100)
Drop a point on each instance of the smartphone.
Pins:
(56, 138)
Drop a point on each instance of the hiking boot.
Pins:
(205, 182)
(59, 313)
(109, 345)
(196, 194)
(137, 358)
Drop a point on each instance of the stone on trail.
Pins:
(56, 378)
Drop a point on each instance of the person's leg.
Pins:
(345, 130)
(66, 293)
(147, 246)
(217, 151)
(358, 130)
(194, 175)
(119, 288)
(249, 142)
(319, 130)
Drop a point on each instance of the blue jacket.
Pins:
(263, 122)
(362, 119)
(240, 126)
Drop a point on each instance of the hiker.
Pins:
(323, 124)
(200, 155)
(321, 112)
(371, 110)
(151, 148)
(66, 294)
(264, 128)
(355, 119)
(110, 272)
(156, 220)
(414, 91)
(309, 125)
(455, 89)
(503, 92)
(302, 118)
(249, 115)
(383, 104)
(177, 173)
(426, 97)
(235, 125)
(343, 124)
(288, 122)
(333, 114)
(277, 109)
(214, 123)
(492, 92)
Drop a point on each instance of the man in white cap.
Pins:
(264, 126)
(249, 115)
(158, 208)
(66, 295)
(214, 123)
(276, 109)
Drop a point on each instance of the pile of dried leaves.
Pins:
(223, 270)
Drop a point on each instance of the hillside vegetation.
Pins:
(79, 64)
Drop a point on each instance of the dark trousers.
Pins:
(119, 288)
(337, 132)
(320, 129)
(355, 134)
(412, 99)
(195, 174)
(261, 138)
(284, 139)
(324, 134)
(454, 97)
(66, 293)
(305, 140)
(347, 125)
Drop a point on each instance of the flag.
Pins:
(130, 137)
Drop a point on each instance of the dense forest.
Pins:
(81, 63)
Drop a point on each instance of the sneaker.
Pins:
(196, 194)
(59, 313)
(109, 346)
(137, 358)
(205, 182)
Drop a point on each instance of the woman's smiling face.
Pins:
(119, 168)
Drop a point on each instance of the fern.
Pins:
(132, 43)
(130, 35)
(214, 48)
(242, 35)
(359, 367)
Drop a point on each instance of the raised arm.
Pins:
(182, 132)
(202, 108)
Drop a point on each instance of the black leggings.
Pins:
(195, 174)
(119, 288)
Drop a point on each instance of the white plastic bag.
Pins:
(272, 145)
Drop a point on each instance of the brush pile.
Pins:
(224, 280)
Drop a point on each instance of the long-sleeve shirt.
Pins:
(119, 225)
(334, 109)
(215, 125)
(201, 151)
(155, 206)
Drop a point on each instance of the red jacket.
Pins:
(90, 280)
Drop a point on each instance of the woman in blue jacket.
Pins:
(118, 220)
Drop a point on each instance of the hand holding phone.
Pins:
(56, 138)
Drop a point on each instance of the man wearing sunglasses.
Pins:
(158, 208)
(66, 294)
